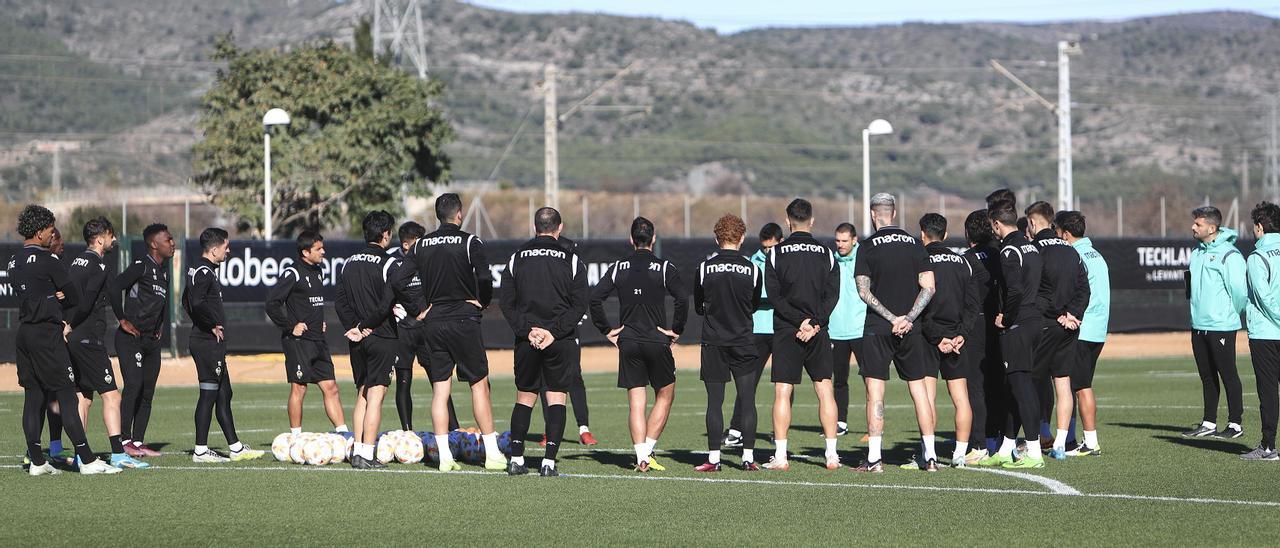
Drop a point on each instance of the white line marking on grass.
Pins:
(1057, 487)
(975, 490)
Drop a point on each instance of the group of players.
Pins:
(1013, 323)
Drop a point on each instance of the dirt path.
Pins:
(269, 368)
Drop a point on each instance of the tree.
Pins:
(361, 132)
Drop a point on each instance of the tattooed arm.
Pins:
(922, 298)
(873, 304)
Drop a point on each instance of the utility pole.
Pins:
(399, 22)
(550, 122)
(1066, 48)
(1273, 154)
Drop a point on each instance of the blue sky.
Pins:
(733, 15)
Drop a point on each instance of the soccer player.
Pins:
(296, 305)
(726, 293)
(544, 296)
(412, 335)
(948, 321)
(894, 279)
(54, 414)
(803, 282)
(1019, 323)
(142, 313)
(982, 348)
(1093, 327)
(202, 299)
(1218, 294)
(368, 291)
(1263, 313)
(458, 286)
(761, 333)
(86, 344)
(1062, 297)
(847, 322)
(644, 339)
(578, 391)
(44, 367)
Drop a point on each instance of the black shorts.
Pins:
(210, 356)
(791, 357)
(1018, 347)
(722, 363)
(43, 361)
(1056, 352)
(373, 359)
(555, 368)
(306, 361)
(1086, 363)
(645, 363)
(413, 344)
(952, 366)
(764, 349)
(909, 354)
(93, 367)
(457, 342)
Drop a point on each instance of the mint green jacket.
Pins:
(850, 315)
(1219, 291)
(1263, 312)
(1093, 326)
(762, 319)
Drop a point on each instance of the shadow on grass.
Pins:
(1212, 444)
(1149, 426)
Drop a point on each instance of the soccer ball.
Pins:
(280, 446)
(318, 451)
(386, 449)
(295, 448)
(338, 448)
(409, 448)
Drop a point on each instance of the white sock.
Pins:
(1007, 446)
(962, 447)
(649, 443)
(714, 457)
(1060, 439)
(642, 452)
(734, 433)
(368, 452)
(357, 449)
(518, 460)
(1033, 449)
(491, 445)
(1091, 438)
(780, 450)
(549, 463)
(339, 428)
(1235, 426)
(1209, 425)
(748, 455)
(583, 430)
(442, 445)
(236, 447)
(202, 449)
(929, 453)
(295, 430)
(831, 446)
(873, 448)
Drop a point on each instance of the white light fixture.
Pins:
(273, 117)
(877, 127)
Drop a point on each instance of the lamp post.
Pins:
(274, 117)
(877, 127)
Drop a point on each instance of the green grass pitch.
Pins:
(1150, 487)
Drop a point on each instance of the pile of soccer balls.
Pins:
(403, 446)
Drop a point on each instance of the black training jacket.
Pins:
(726, 293)
(544, 285)
(893, 261)
(802, 280)
(89, 319)
(1020, 267)
(369, 287)
(642, 282)
(1064, 283)
(955, 303)
(38, 276)
(413, 287)
(298, 297)
(202, 297)
(454, 270)
(984, 260)
(145, 285)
